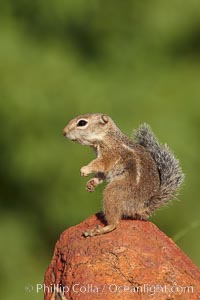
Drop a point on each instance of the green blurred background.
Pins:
(134, 60)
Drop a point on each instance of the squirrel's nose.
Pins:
(64, 132)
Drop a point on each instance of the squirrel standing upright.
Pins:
(142, 175)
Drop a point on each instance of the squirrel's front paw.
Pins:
(91, 184)
(85, 171)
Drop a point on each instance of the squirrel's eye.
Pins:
(82, 123)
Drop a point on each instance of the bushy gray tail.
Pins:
(171, 175)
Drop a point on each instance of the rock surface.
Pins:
(135, 261)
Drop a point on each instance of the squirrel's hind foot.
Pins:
(99, 230)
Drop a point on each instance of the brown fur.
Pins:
(131, 172)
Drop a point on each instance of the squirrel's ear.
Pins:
(104, 119)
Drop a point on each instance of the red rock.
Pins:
(135, 261)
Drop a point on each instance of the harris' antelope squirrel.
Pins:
(142, 175)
